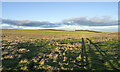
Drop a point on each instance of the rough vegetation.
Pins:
(46, 50)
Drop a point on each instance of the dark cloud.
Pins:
(27, 23)
(105, 21)
(82, 21)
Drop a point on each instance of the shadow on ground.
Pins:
(45, 55)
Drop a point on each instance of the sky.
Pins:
(100, 16)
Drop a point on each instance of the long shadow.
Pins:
(84, 53)
(95, 60)
(84, 57)
(29, 55)
(102, 53)
(14, 63)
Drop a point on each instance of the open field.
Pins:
(36, 50)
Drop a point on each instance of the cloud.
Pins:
(7, 26)
(94, 28)
(28, 23)
(95, 23)
(83, 21)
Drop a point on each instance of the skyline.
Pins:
(74, 15)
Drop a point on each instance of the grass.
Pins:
(44, 50)
(55, 31)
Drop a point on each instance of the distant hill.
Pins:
(89, 31)
(70, 30)
(52, 29)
